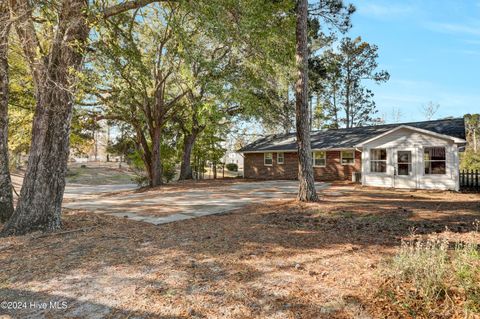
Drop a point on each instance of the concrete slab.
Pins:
(166, 207)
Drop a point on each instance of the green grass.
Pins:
(99, 176)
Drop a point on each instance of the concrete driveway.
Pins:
(170, 205)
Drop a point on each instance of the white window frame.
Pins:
(341, 157)
(425, 161)
(265, 158)
(324, 158)
(409, 163)
(376, 161)
(278, 158)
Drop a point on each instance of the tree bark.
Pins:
(6, 195)
(54, 74)
(157, 171)
(186, 166)
(306, 190)
(39, 205)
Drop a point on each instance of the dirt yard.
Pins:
(283, 259)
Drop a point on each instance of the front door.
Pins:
(404, 170)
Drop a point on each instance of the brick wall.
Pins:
(333, 170)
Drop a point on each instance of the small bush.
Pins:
(83, 166)
(169, 173)
(432, 279)
(232, 167)
(141, 180)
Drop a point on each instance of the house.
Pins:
(423, 155)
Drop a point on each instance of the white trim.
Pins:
(283, 161)
(341, 158)
(324, 157)
(265, 157)
(422, 149)
(420, 130)
(370, 160)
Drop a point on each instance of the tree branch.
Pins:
(128, 5)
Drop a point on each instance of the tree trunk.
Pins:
(40, 203)
(6, 195)
(306, 190)
(335, 107)
(157, 171)
(186, 166)
(214, 169)
(474, 139)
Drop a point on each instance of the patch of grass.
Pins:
(432, 279)
(99, 175)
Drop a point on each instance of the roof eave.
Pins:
(456, 140)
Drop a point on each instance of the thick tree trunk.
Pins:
(306, 190)
(40, 203)
(6, 196)
(157, 172)
(186, 166)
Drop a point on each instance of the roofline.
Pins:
(386, 124)
(295, 151)
(444, 136)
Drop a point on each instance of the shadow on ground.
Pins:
(283, 259)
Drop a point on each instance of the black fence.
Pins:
(470, 180)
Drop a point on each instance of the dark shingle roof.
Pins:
(349, 138)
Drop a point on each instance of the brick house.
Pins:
(408, 155)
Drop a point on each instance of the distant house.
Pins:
(423, 155)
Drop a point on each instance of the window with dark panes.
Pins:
(268, 159)
(319, 159)
(434, 159)
(348, 157)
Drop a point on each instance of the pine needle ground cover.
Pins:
(280, 259)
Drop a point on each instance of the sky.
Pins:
(431, 48)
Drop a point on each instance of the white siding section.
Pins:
(406, 139)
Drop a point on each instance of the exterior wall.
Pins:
(406, 139)
(254, 167)
(334, 170)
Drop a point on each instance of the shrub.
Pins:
(432, 279)
(141, 180)
(232, 167)
(83, 166)
(169, 173)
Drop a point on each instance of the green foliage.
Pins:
(169, 172)
(22, 107)
(339, 77)
(21, 102)
(232, 167)
(469, 160)
(190, 66)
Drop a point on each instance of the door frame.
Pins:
(405, 181)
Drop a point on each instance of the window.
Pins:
(280, 158)
(378, 160)
(319, 159)
(404, 162)
(348, 157)
(268, 159)
(435, 160)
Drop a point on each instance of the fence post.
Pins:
(469, 174)
(476, 180)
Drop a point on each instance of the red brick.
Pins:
(333, 170)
